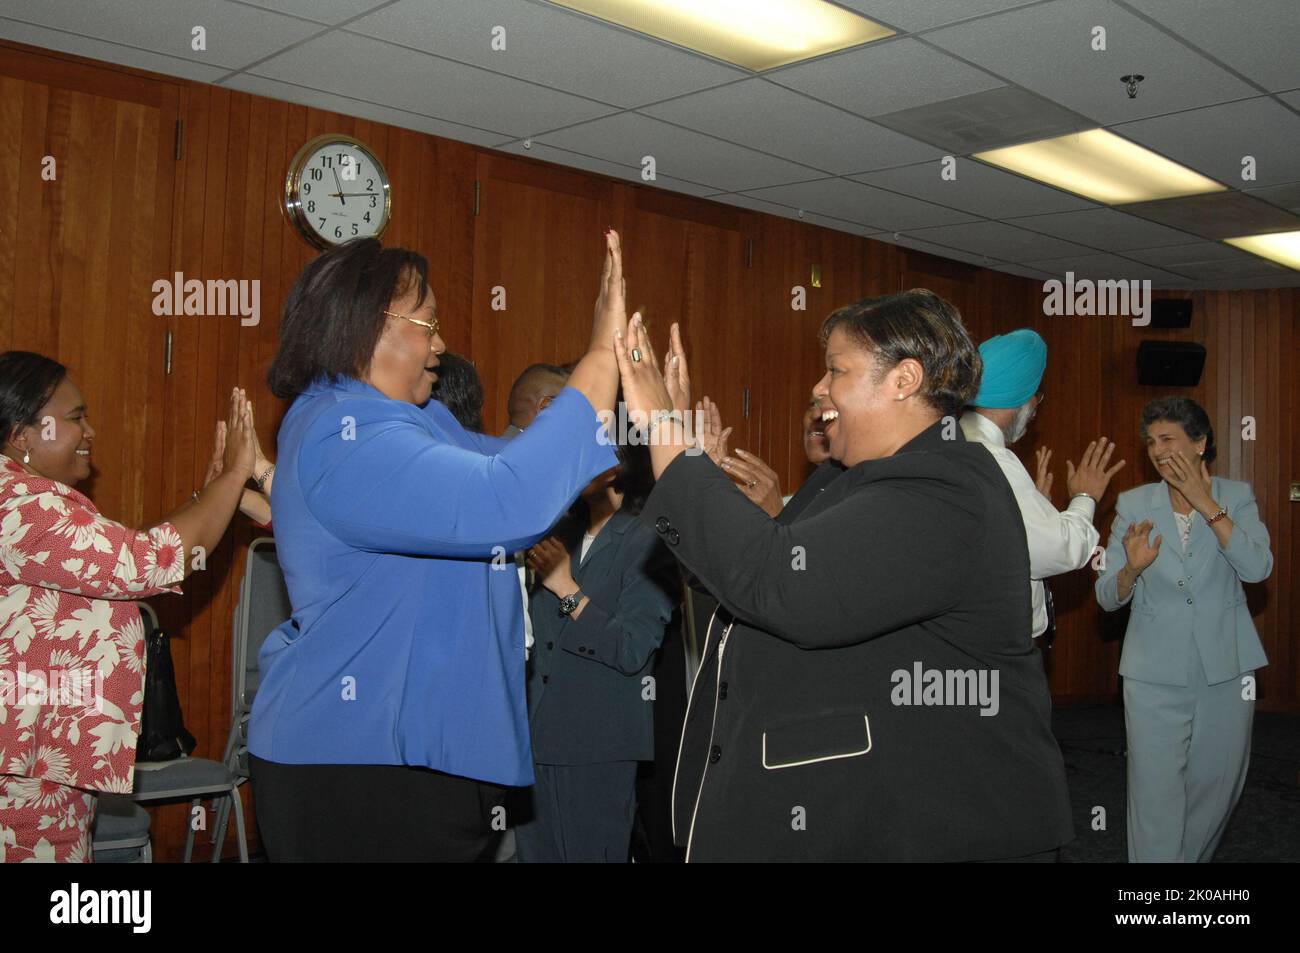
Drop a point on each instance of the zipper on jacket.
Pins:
(690, 700)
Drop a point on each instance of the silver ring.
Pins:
(636, 355)
(751, 484)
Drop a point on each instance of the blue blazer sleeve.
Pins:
(1107, 585)
(624, 636)
(1248, 545)
(375, 476)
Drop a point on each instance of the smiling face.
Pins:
(59, 443)
(862, 417)
(406, 357)
(1164, 439)
(815, 446)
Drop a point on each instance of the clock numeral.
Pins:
(354, 228)
(374, 200)
(370, 185)
(316, 174)
(327, 161)
(366, 217)
(311, 206)
(306, 188)
(338, 231)
(322, 223)
(344, 158)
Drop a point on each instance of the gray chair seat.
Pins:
(121, 832)
(183, 777)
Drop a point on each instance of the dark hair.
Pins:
(635, 477)
(460, 389)
(1188, 414)
(916, 324)
(523, 381)
(335, 313)
(27, 382)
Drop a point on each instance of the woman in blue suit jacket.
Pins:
(391, 706)
(1191, 649)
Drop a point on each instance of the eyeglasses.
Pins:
(433, 328)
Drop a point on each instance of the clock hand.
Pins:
(339, 193)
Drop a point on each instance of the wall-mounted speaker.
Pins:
(1170, 363)
(1171, 313)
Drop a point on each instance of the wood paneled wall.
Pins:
(78, 257)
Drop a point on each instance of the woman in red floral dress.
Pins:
(71, 639)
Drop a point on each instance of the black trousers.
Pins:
(366, 813)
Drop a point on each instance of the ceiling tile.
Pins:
(1258, 40)
(1218, 215)
(1284, 196)
(1251, 267)
(1103, 266)
(1215, 140)
(1024, 271)
(1174, 256)
(322, 11)
(612, 169)
(235, 35)
(1000, 241)
(884, 77)
(548, 45)
(985, 120)
(1048, 48)
(49, 39)
(273, 89)
(1104, 228)
(915, 15)
(799, 215)
(358, 66)
(941, 251)
(626, 138)
(843, 198)
(977, 188)
(777, 120)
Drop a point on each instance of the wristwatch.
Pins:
(570, 602)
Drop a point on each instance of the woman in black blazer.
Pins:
(606, 590)
(869, 690)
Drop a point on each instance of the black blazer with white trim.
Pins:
(869, 689)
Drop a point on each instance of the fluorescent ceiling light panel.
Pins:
(755, 34)
(1101, 166)
(1281, 247)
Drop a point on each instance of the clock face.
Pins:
(336, 190)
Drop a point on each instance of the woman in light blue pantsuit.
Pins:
(1191, 649)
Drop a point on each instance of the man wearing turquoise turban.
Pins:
(1059, 541)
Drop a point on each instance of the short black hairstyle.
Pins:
(1188, 414)
(334, 315)
(460, 390)
(916, 324)
(27, 382)
(522, 383)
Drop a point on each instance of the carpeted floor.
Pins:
(1264, 827)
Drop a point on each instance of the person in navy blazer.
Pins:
(590, 692)
(391, 707)
(1191, 648)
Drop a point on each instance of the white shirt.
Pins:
(522, 566)
(1059, 541)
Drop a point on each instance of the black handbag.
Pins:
(162, 726)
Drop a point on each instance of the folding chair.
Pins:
(263, 605)
(192, 778)
(121, 831)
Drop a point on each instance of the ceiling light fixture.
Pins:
(1281, 247)
(1101, 166)
(757, 36)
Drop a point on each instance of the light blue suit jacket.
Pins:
(395, 529)
(1197, 598)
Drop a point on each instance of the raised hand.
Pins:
(712, 439)
(240, 437)
(1045, 476)
(1092, 477)
(1193, 482)
(1141, 553)
(676, 375)
(611, 301)
(216, 463)
(757, 481)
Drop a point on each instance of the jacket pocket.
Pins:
(816, 739)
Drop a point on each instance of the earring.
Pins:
(27, 456)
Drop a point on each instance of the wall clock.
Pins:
(336, 190)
